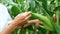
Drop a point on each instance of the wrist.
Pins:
(10, 28)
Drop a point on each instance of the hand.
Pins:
(30, 22)
(37, 22)
(19, 19)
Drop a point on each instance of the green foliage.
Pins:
(41, 9)
(44, 19)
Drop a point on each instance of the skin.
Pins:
(19, 21)
(30, 22)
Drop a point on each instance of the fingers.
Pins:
(28, 24)
(23, 21)
(26, 14)
(22, 15)
(21, 18)
(37, 25)
(36, 22)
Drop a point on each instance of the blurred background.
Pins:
(43, 7)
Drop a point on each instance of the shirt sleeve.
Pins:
(4, 17)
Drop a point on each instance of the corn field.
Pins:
(44, 10)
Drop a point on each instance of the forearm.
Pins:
(10, 28)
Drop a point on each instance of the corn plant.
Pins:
(41, 9)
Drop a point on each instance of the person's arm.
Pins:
(10, 28)
(17, 20)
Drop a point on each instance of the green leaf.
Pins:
(44, 19)
(14, 11)
(55, 26)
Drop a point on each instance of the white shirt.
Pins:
(4, 17)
